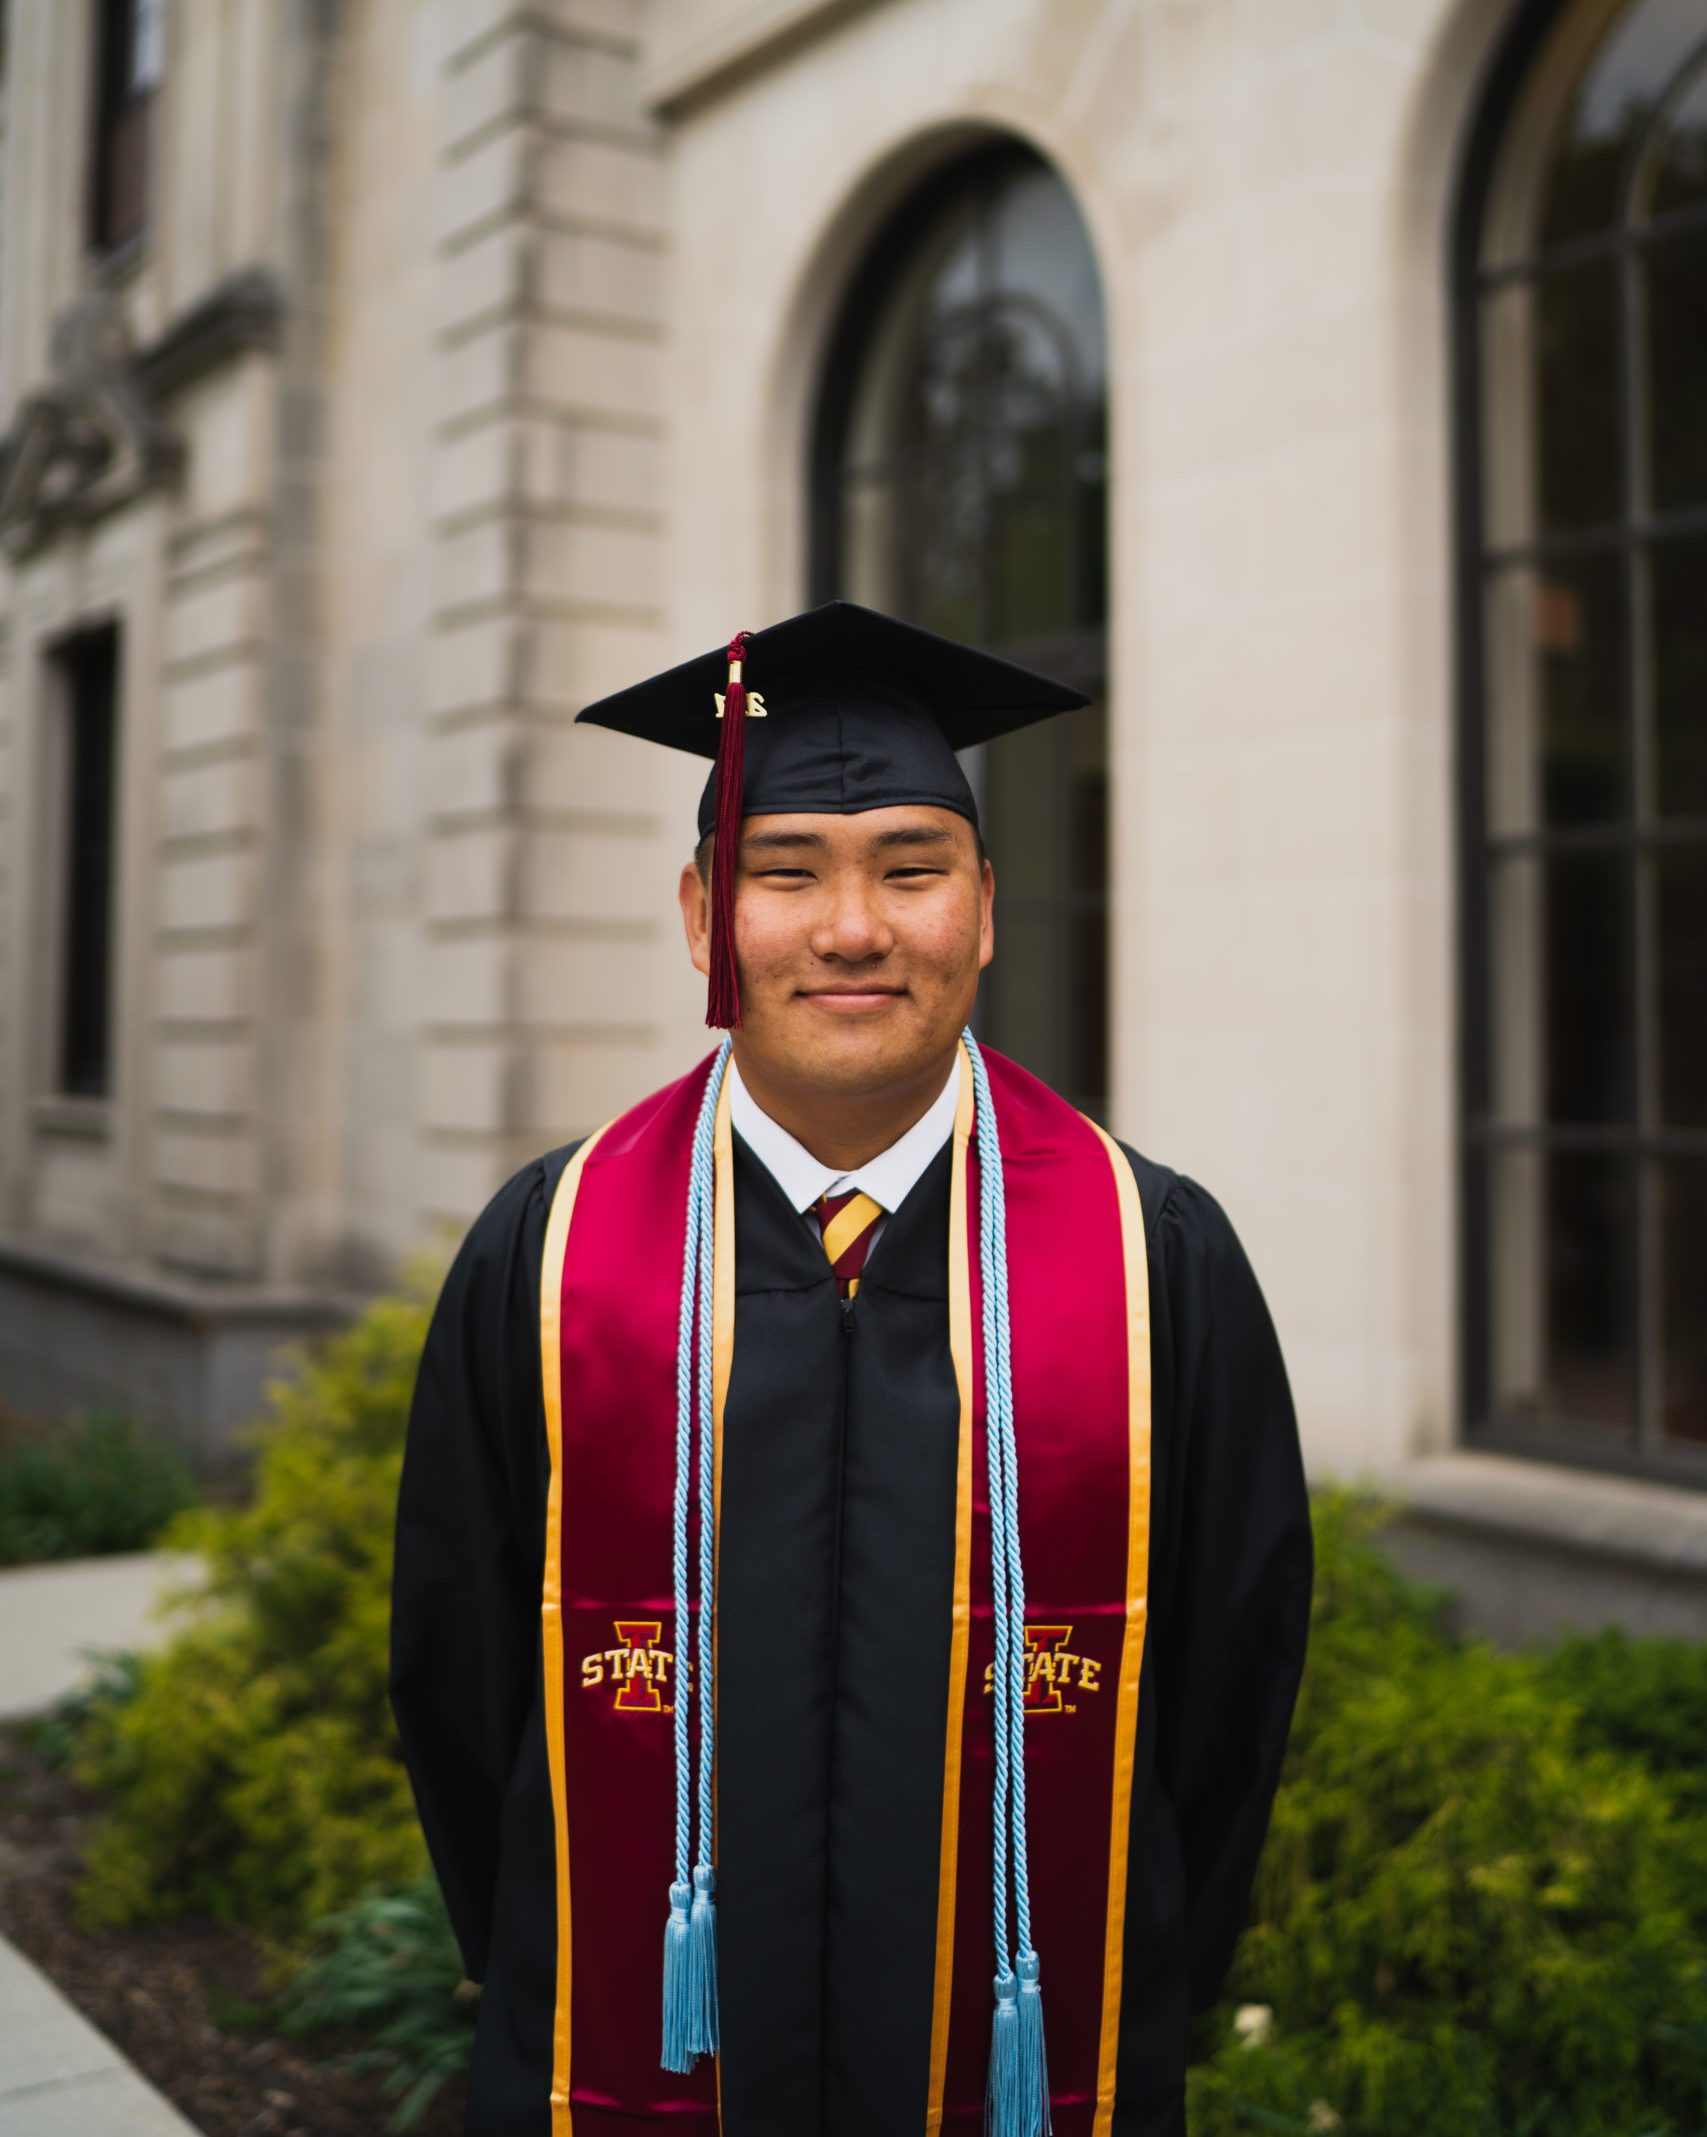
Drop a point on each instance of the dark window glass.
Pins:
(1680, 175)
(1590, 1252)
(1584, 194)
(1583, 324)
(1563, 1307)
(1679, 577)
(1587, 959)
(1576, 367)
(129, 50)
(1045, 808)
(1558, 732)
(1627, 79)
(1677, 369)
(1562, 1022)
(1681, 1192)
(1680, 930)
(89, 668)
(961, 485)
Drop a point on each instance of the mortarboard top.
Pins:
(845, 710)
(863, 712)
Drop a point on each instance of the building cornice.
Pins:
(724, 41)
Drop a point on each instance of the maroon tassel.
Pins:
(723, 995)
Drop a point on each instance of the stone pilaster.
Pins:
(544, 850)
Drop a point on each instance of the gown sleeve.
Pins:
(1230, 1650)
(470, 1548)
(1231, 1568)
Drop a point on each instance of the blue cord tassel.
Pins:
(1033, 2062)
(1017, 2101)
(678, 2052)
(702, 1964)
(1004, 2107)
(690, 1935)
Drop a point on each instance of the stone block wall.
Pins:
(547, 860)
(208, 1097)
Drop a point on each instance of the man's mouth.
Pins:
(851, 1000)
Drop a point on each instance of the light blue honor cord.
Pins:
(1016, 2103)
(690, 1949)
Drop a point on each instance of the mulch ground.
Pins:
(185, 2001)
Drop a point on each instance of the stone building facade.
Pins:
(384, 379)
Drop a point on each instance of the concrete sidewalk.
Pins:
(59, 2077)
(50, 1614)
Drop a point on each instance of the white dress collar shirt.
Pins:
(887, 1178)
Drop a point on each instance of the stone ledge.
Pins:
(82, 1120)
(198, 1302)
(191, 1356)
(1530, 1550)
(708, 47)
(1624, 1520)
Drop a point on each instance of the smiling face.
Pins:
(859, 940)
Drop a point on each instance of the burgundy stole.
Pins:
(1080, 1316)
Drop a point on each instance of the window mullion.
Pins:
(1639, 693)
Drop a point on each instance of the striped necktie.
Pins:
(846, 1222)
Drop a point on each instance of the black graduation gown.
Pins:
(836, 1559)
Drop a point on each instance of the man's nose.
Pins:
(853, 929)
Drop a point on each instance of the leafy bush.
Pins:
(86, 1489)
(1644, 1697)
(256, 1776)
(1483, 1902)
(393, 1972)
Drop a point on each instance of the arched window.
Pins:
(960, 483)
(1582, 265)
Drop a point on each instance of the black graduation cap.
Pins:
(843, 710)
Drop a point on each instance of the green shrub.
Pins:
(86, 1489)
(1477, 1911)
(1645, 1697)
(256, 1775)
(393, 1973)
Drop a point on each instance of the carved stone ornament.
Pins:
(97, 435)
(89, 441)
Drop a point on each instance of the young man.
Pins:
(773, 1784)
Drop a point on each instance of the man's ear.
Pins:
(696, 917)
(986, 914)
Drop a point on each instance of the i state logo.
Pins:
(1049, 1674)
(636, 1666)
(638, 1669)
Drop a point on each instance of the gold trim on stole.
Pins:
(960, 1350)
(551, 1604)
(1137, 1592)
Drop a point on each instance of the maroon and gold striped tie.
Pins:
(846, 1222)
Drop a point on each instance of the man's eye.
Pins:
(912, 868)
